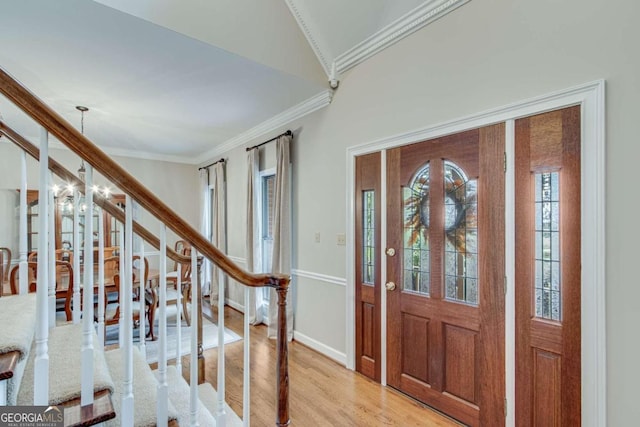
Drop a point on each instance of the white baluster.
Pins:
(179, 319)
(126, 322)
(221, 415)
(24, 270)
(86, 388)
(3, 392)
(122, 273)
(163, 391)
(246, 380)
(141, 273)
(52, 255)
(41, 374)
(193, 403)
(101, 295)
(76, 257)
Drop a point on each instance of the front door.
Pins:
(445, 289)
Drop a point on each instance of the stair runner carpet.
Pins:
(144, 390)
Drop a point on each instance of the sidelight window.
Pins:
(547, 236)
(368, 237)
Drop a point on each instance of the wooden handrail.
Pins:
(89, 152)
(105, 204)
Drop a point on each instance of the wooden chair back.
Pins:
(5, 263)
(64, 282)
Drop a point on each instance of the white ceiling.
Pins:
(180, 79)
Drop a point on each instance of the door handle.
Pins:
(390, 286)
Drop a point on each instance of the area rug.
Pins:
(209, 338)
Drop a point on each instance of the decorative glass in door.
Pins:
(416, 201)
(461, 235)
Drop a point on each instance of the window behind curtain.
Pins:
(267, 187)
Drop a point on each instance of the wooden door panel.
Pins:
(547, 368)
(448, 354)
(547, 172)
(460, 362)
(415, 347)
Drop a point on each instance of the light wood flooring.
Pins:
(322, 392)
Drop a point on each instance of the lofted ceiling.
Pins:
(183, 80)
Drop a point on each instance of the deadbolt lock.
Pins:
(390, 286)
(391, 251)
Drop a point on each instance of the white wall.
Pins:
(486, 54)
(176, 184)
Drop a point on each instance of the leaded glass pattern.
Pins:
(461, 235)
(547, 236)
(416, 233)
(368, 237)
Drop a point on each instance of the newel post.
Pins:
(282, 380)
(199, 305)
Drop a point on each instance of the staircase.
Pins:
(42, 363)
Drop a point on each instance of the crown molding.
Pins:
(120, 152)
(308, 106)
(149, 156)
(397, 30)
(321, 51)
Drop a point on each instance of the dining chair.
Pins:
(113, 291)
(64, 283)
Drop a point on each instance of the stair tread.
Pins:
(21, 310)
(145, 387)
(209, 398)
(8, 363)
(65, 360)
(180, 394)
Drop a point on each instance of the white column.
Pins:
(86, 387)
(76, 257)
(52, 255)
(193, 403)
(163, 391)
(221, 415)
(246, 380)
(143, 304)
(101, 295)
(126, 321)
(24, 271)
(179, 319)
(41, 369)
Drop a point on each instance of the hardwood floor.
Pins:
(323, 393)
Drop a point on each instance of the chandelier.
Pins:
(65, 193)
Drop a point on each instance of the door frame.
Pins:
(591, 97)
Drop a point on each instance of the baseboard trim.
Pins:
(231, 303)
(316, 345)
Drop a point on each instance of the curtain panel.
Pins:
(253, 300)
(205, 227)
(281, 261)
(218, 227)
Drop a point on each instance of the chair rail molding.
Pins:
(320, 277)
